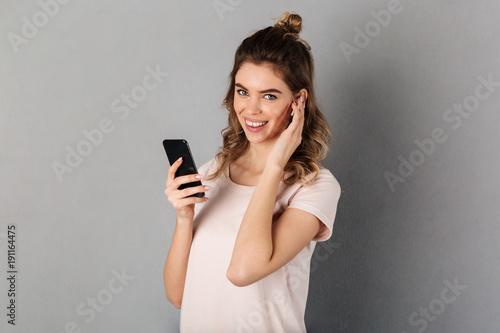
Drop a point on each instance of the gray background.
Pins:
(392, 250)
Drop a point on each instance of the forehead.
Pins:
(259, 76)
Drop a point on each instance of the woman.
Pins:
(239, 259)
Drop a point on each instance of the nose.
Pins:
(253, 106)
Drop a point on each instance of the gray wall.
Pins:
(419, 255)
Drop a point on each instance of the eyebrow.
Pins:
(272, 90)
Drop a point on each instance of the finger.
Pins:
(296, 116)
(181, 180)
(173, 186)
(183, 203)
(173, 169)
(192, 190)
(302, 108)
(175, 194)
(191, 200)
(296, 126)
(302, 105)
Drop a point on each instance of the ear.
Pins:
(303, 92)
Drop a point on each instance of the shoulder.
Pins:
(326, 175)
(322, 189)
(325, 181)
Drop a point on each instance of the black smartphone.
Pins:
(176, 148)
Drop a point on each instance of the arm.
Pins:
(174, 273)
(262, 247)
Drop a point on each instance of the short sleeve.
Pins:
(320, 199)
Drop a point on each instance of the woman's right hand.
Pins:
(180, 200)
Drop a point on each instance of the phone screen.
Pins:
(176, 148)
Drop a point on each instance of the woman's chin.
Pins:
(256, 138)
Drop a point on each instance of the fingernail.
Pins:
(302, 99)
(198, 176)
(180, 159)
(206, 187)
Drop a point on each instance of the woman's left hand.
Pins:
(290, 138)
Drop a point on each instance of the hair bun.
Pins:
(291, 23)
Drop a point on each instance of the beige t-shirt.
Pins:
(276, 303)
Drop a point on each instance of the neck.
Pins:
(255, 157)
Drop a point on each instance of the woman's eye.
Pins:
(241, 92)
(269, 96)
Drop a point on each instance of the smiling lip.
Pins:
(254, 125)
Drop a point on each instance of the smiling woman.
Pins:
(270, 198)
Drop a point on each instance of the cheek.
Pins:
(238, 105)
(285, 112)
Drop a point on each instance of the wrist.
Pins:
(273, 170)
(275, 162)
(184, 221)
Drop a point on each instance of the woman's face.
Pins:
(262, 102)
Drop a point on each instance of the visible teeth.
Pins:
(254, 124)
